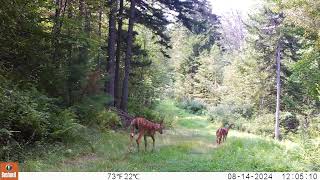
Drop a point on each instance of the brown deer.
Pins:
(222, 133)
(145, 128)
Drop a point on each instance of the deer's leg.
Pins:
(226, 136)
(217, 139)
(219, 135)
(145, 143)
(139, 139)
(152, 142)
(131, 140)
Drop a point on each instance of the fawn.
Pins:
(145, 128)
(222, 133)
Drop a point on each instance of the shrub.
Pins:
(107, 119)
(222, 113)
(226, 113)
(64, 126)
(262, 124)
(28, 117)
(244, 110)
(193, 106)
(93, 113)
(314, 127)
(162, 111)
(148, 113)
(89, 109)
(289, 122)
(25, 113)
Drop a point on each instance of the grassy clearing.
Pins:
(189, 145)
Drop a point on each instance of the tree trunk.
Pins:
(84, 16)
(87, 22)
(118, 57)
(99, 33)
(70, 48)
(56, 29)
(56, 54)
(111, 50)
(124, 100)
(277, 115)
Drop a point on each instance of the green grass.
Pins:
(189, 145)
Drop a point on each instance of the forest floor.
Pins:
(189, 145)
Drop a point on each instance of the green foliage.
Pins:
(193, 106)
(169, 111)
(24, 111)
(198, 66)
(140, 111)
(305, 76)
(289, 121)
(64, 126)
(248, 93)
(263, 124)
(209, 76)
(107, 119)
(314, 128)
(306, 73)
(93, 113)
(150, 74)
(312, 159)
(88, 109)
(29, 117)
(228, 113)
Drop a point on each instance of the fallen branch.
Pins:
(124, 116)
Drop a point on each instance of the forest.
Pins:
(75, 73)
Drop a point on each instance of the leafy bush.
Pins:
(193, 106)
(24, 113)
(92, 112)
(222, 113)
(88, 110)
(289, 122)
(262, 124)
(147, 112)
(245, 110)
(226, 113)
(107, 119)
(64, 126)
(314, 127)
(165, 110)
(28, 117)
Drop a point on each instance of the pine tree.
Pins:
(111, 50)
